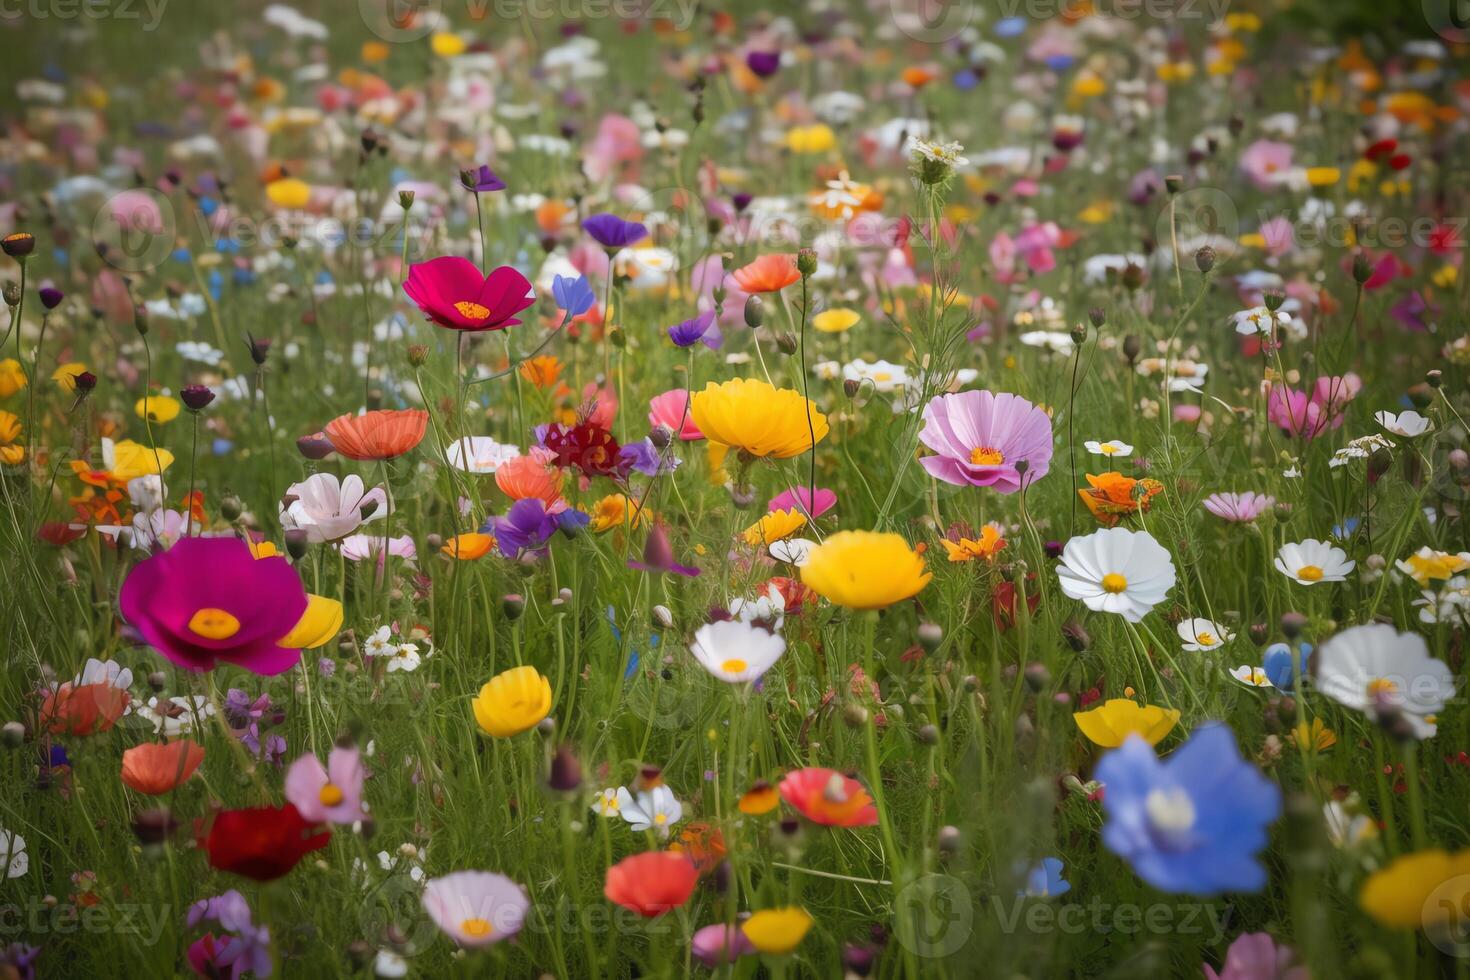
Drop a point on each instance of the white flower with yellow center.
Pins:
(736, 651)
(1118, 571)
(1203, 634)
(606, 804)
(1114, 448)
(1251, 676)
(1312, 561)
(1376, 669)
(654, 809)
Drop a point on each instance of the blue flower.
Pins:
(1280, 664)
(692, 331)
(1010, 27)
(1045, 880)
(1346, 529)
(1194, 822)
(653, 641)
(573, 296)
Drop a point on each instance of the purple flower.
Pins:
(658, 556)
(248, 948)
(985, 439)
(763, 63)
(612, 232)
(481, 180)
(525, 527)
(20, 959)
(573, 296)
(719, 944)
(1410, 312)
(1255, 956)
(644, 457)
(690, 332)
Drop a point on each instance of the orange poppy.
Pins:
(829, 798)
(381, 434)
(529, 476)
(543, 371)
(83, 710)
(767, 274)
(468, 547)
(155, 768)
(917, 76)
(651, 883)
(1112, 495)
(551, 215)
(703, 844)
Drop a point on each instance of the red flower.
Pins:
(651, 883)
(262, 843)
(587, 446)
(1003, 603)
(84, 710)
(827, 797)
(380, 434)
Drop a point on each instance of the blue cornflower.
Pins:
(573, 296)
(1194, 822)
(644, 457)
(692, 331)
(1045, 880)
(1280, 664)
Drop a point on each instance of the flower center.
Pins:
(1170, 810)
(1108, 449)
(1309, 573)
(660, 818)
(214, 624)
(985, 456)
(1113, 583)
(1205, 638)
(734, 665)
(330, 795)
(476, 927)
(472, 311)
(1382, 687)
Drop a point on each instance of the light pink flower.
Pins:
(476, 908)
(1240, 508)
(981, 439)
(327, 794)
(1255, 956)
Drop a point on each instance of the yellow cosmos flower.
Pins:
(751, 415)
(512, 702)
(288, 192)
(447, 45)
(1323, 176)
(133, 459)
(835, 320)
(320, 624)
(864, 570)
(616, 510)
(66, 375)
(12, 453)
(261, 549)
(817, 138)
(468, 547)
(777, 931)
(1426, 565)
(12, 377)
(1111, 724)
(1317, 737)
(1398, 895)
(967, 549)
(157, 408)
(774, 526)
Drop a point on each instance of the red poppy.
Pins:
(651, 883)
(59, 533)
(827, 797)
(83, 710)
(587, 446)
(767, 274)
(155, 768)
(1003, 603)
(262, 843)
(381, 434)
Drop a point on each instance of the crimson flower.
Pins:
(262, 843)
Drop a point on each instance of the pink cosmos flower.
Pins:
(801, 499)
(982, 439)
(452, 293)
(1309, 416)
(1239, 508)
(476, 908)
(330, 793)
(1263, 160)
(672, 409)
(1255, 956)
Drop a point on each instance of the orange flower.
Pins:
(917, 76)
(703, 844)
(529, 476)
(760, 799)
(156, 769)
(1113, 495)
(987, 546)
(551, 215)
(83, 710)
(651, 883)
(767, 274)
(827, 797)
(468, 547)
(543, 371)
(377, 435)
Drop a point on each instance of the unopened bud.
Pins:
(418, 355)
(1204, 258)
(755, 312)
(930, 636)
(806, 261)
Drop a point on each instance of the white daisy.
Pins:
(1312, 561)
(1375, 667)
(380, 644)
(177, 716)
(479, 454)
(405, 658)
(1406, 424)
(736, 651)
(1203, 634)
(793, 551)
(1259, 320)
(1449, 605)
(1251, 676)
(1113, 447)
(1118, 571)
(656, 808)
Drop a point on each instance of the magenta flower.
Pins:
(718, 944)
(985, 439)
(672, 409)
(207, 600)
(330, 793)
(452, 293)
(800, 498)
(1239, 508)
(1309, 416)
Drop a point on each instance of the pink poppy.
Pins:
(1263, 160)
(1309, 416)
(330, 793)
(672, 409)
(801, 499)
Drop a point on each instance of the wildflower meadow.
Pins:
(679, 488)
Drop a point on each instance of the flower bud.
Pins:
(314, 447)
(1204, 258)
(230, 508)
(1362, 269)
(930, 636)
(1079, 334)
(1098, 316)
(140, 320)
(12, 294)
(1037, 677)
(755, 312)
(1259, 633)
(1076, 636)
(296, 543)
(854, 715)
(13, 734)
(1273, 299)
(929, 735)
(405, 199)
(194, 397)
(806, 262)
(1131, 348)
(19, 245)
(786, 343)
(566, 771)
(1435, 378)
(50, 296)
(1173, 183)
(1292, 624)
(418, 355)
(512, 605)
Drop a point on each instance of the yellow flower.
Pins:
(288, 192)
(1096, 213)
(773, 527)
(12, 377)
(616, 510)
(751, 415)
(1243, 22)
(1323, 176)
(157, 408)
(447, 45)
(760, 799)
(1427, 564)
(12, 453)
(965, 549)
(1316, 736)
(835, 320)
(543, 371)
(1088, 86)
(375, 51)
(1110, 725)
(66, 375)
(261, 549)
(864, 570)
(321, 622)
(512, 702)
(468, 547)
(1398, 895)
(817, 138)
(777, 931)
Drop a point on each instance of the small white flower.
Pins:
(1251, 676)
(390, 965)
(1312, 561)
(1259, 320)
(380, 644)
(948, 153)
(1202, 634)
(1360, 448)
(1113, 447)
(177, 716)
(735, 650)
(606, 804)
(405, 658)
(1346, 827)
(479, 454)
(656, 808)
(13, 846)
(793, 551)
(1450, 604)
(1407, 424)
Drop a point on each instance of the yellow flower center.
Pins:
(1309, 573)
(985, 456)
(1381, 686)
(1108, 448)
(734, 665)
(330, 795)
(1113, 583)
(660, 818)
(476, 927)
(1170, 810)
(214, 624)
(472, 311)
(1205, 638)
